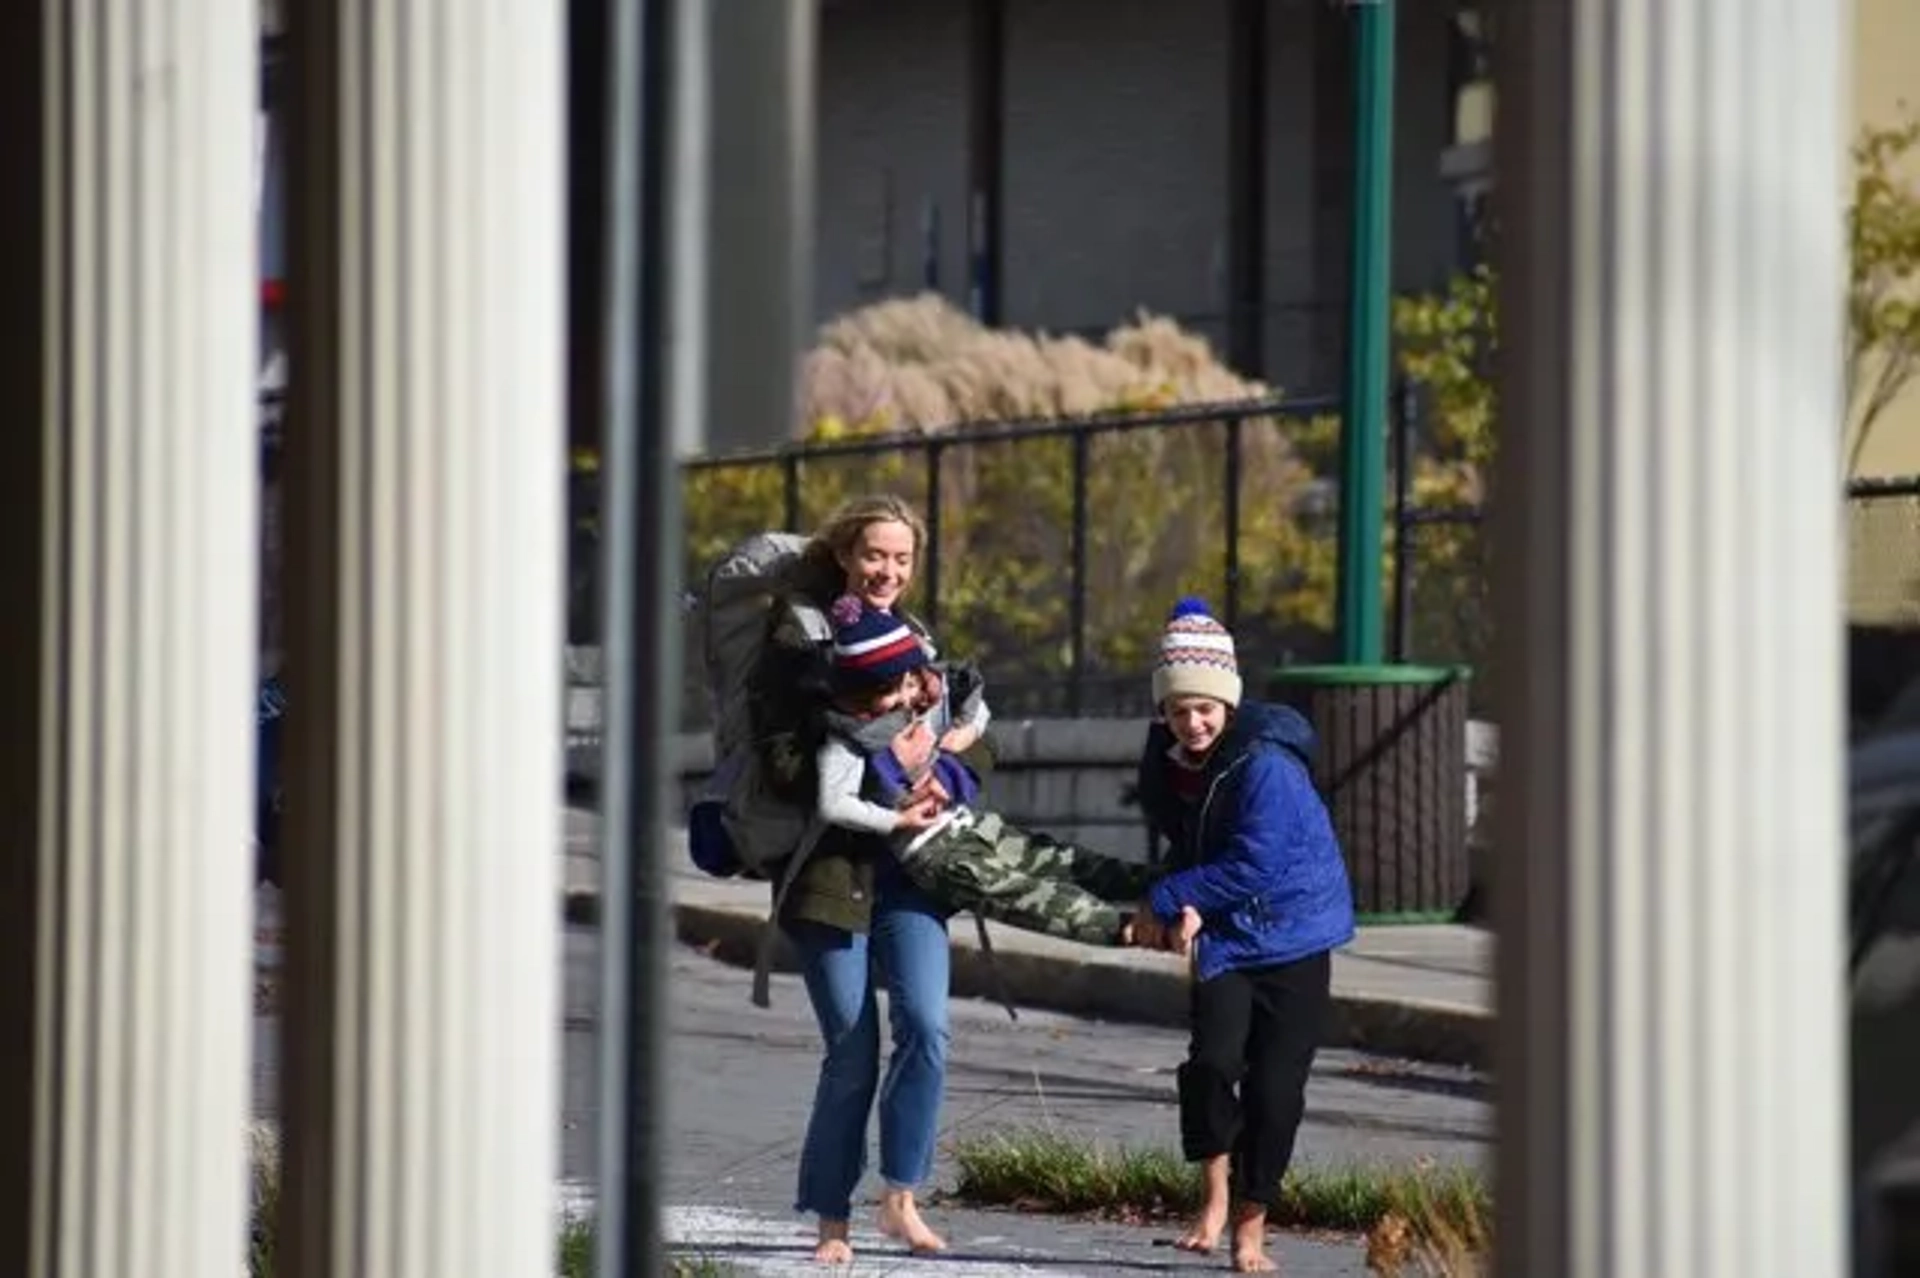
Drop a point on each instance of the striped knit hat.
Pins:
(871, 648)
(1196, 657)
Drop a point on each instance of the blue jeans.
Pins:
(908, 945)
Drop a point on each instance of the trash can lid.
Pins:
(1366, 676)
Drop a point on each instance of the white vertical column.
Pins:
(425, 567)
(1670, 863)
(128, 476)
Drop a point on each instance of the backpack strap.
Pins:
(770, 934)
(993, 965)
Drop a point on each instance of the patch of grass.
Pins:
(263, 1161)
(1434, 1218)
(701, 1267)
(574, 1247)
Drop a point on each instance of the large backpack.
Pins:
(734, 617)
(749, 818)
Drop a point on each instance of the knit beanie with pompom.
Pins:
(1196, 657)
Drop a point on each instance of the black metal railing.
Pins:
(1056, 545)
(1080, 432)
(1242, 504)
(1442, 584)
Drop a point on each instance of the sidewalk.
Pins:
(1416, 991)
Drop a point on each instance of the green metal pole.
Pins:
(1363, 443)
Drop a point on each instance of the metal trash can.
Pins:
(1392, 765)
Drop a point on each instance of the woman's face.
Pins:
(879, 565)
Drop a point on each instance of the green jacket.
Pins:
(836, 885)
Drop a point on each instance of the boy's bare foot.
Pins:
(833, 1247)
(1204, 1234)
(900, 1220)
(1250, 1240)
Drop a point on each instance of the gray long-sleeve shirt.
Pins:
(841, 765)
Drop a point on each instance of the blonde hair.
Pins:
(825, 573)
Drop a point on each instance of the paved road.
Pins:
(741, 1079)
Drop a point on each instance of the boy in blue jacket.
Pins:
(1229, 784)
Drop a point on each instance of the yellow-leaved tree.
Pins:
(1883, 279)
(1446, 343)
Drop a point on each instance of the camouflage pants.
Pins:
(1028, 881)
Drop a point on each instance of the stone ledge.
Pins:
(1103, 987)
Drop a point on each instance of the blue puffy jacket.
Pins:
(1257, 856)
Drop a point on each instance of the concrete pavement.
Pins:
(741, 1078)
(1421, 992)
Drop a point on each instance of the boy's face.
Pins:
(891, 697)
(1196, 722)
(883, 700)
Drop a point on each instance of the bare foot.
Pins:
(1250, 1242)
(1204, 1234)
(900, 1220)
(833, 1247)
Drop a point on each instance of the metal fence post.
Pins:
(1405, 412)
(1359, 602)
(1077, 607)
(790, 492)
(932, 556)
(1231, 603)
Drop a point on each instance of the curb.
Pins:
(1438, 1033)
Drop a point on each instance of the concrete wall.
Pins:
(1115, 168)
(1115, 163)
(1070, 778)
(1067, 777)
(1073, 778)
(892, 142)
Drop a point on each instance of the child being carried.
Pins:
(880, 771)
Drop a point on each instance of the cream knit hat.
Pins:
(1196, 657)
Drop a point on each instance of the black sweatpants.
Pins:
(1243, 1089)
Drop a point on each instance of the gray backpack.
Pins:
(741, 822)
(734, 618)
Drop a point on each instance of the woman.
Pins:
(849, 907)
